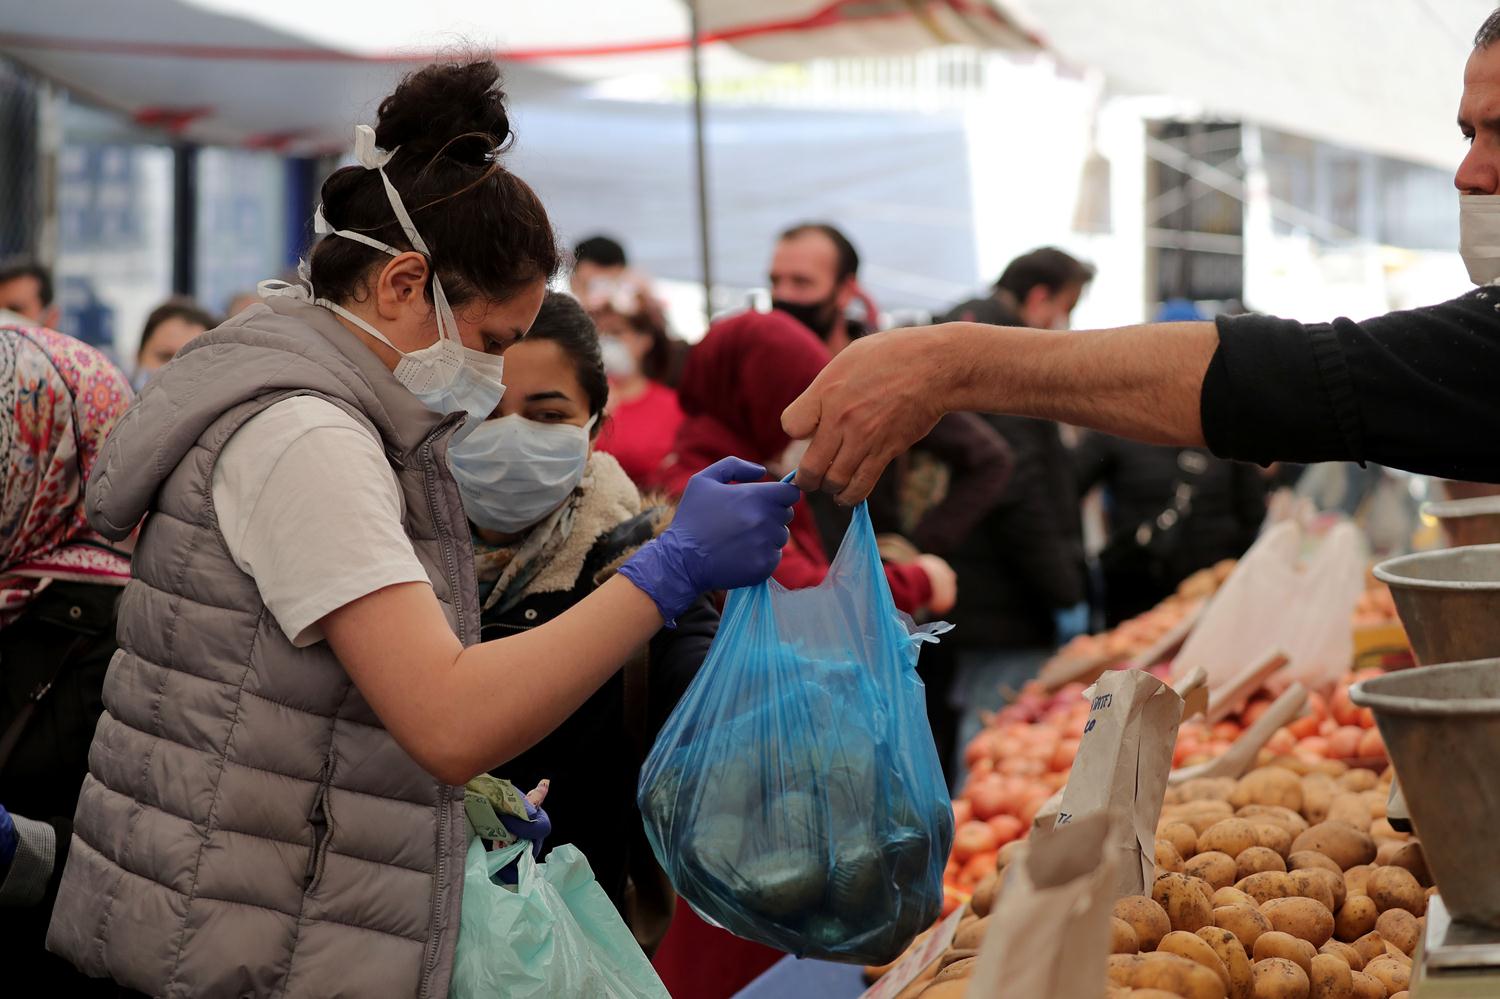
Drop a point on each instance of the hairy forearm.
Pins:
(1142, 382)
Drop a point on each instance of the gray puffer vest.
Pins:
(248, 826)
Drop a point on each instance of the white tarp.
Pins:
(292, 74)
(1384, 77)
(900, 186)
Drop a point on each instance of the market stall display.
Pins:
(1287, 883)
(1026, 754)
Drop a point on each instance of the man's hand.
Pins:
(877, 398)
(885, 392)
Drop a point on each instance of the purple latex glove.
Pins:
(9, 840)
(728, 532)
(536, 827)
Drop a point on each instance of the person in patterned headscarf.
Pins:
(59, 582)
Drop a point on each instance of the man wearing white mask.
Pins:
(1413, 389)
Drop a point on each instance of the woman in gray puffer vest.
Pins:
(274, 799)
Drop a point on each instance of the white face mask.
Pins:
(619, 362)
(512, 472)
(446, 376)
(1479, 236)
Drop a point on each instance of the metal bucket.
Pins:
(1441, 726)
(1474, 521)
(1448, 600)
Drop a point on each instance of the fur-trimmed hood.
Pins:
(609, 500)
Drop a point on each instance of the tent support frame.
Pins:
(700, 153)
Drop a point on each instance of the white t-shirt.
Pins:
(311, 509)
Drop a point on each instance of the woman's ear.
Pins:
(595, 430)
(401, 285)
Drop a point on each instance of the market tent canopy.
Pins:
(1381, 77)
(292, 75)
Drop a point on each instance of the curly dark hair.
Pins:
(1489, 32)
(489, 234)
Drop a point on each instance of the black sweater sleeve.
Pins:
(676, 654)
(1414, 389)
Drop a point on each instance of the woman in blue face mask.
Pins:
(553, 520)
(275, 799)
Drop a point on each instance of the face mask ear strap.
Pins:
(371, 157)
(447, 326)
(323, 227)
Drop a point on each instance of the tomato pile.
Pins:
(1334, 728)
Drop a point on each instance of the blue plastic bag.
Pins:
(794, 797)
(554, 934)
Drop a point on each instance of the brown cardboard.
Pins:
(1121, 770)
(1240, 757)
(1236, 690)
(1049, 930)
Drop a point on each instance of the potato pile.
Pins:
(1288, 883)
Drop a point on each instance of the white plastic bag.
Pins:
(1269, 604)
(1315, 631)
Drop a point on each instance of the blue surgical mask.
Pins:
(512, 472)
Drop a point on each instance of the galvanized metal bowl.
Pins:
(1448, 600)
(1441, 726)
(1473, 521)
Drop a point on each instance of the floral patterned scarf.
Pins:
(59, 398)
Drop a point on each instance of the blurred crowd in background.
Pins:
(1022, 533)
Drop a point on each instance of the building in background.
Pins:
(126, 217)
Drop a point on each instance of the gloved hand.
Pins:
(536, 827)
(9, 839)
(728, 532)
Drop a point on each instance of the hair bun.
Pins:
(456, 109)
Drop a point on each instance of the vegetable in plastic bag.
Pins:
(795, 797)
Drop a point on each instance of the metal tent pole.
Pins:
(705, 244)
(185, 218)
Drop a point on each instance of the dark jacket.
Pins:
(1412, 389)
(975, 466)
(591, 758)
(1025, 560)
(56, 652)
(1140, 481)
